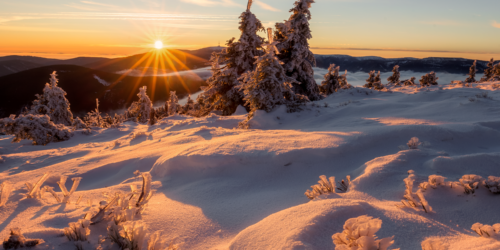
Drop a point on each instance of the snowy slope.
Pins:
(218, 187)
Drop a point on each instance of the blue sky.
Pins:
(387, 28)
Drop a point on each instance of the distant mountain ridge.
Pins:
(425, 65)
(194, 59)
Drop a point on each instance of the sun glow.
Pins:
(159, 44)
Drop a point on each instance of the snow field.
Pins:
(223, 188)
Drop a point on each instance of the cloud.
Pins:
(443, 23)
(116, 16)
(266, 6)
(213, 2)
(495, 24)
(98, 4)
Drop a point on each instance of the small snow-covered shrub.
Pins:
(492, 184)
(359, 233)
(173, 103)
(410, 82)
(79, 124)
(5, 190)
(78, 231)
(429, 79)
(374, 81)
(141, 110)
(17, 240)
(156, 242)
(434, 244)
(38, 128)
(413, 143)
(129, 235)
(487, 231)
(434, 181)
(344, 185)
(411, 197)
(470, 182)
(34, 189)
(324, 186)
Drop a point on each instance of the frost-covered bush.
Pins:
(496, 76)
(79, 124)
(472, 74)
(487, 231)
(34, 189)
(295, 53)
(78, 231)
(129, 235)
(413, 143)
(429, 79)
(493, 184)
(140, 110)
(156, 242)
(38, 128)
(394, 79)
(410, 82)
(333, 82)
(94, 118)
(374, 81)
(411, 197)
(324, 186)
(53, 103)
(17, 240)
(434, 244)
(359, 233)
(434, 182)
(5, 190)
(470, 183)
(173, 103)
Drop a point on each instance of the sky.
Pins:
(114, 28)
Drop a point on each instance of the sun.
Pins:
(159, 44)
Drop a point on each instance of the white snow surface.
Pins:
(218, 187)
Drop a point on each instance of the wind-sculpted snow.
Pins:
(217, 187)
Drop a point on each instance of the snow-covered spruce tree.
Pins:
(173, 103)
(53, 103)
(228, 65)
(374, 81)
(152, 117)
(359, 233)
(394, 79)
(429, 79)
(93, 118)
(38, 128)
(268, 86)
(489, 71)
(141, 109)
(293, 36)
(188, 108)
(472, 74)
(496, 76)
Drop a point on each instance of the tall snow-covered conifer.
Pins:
(472, 74)
(394, 79)
(293, 36)
(223, 90)
(268, 85)
(53, 103)
(489, 71)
